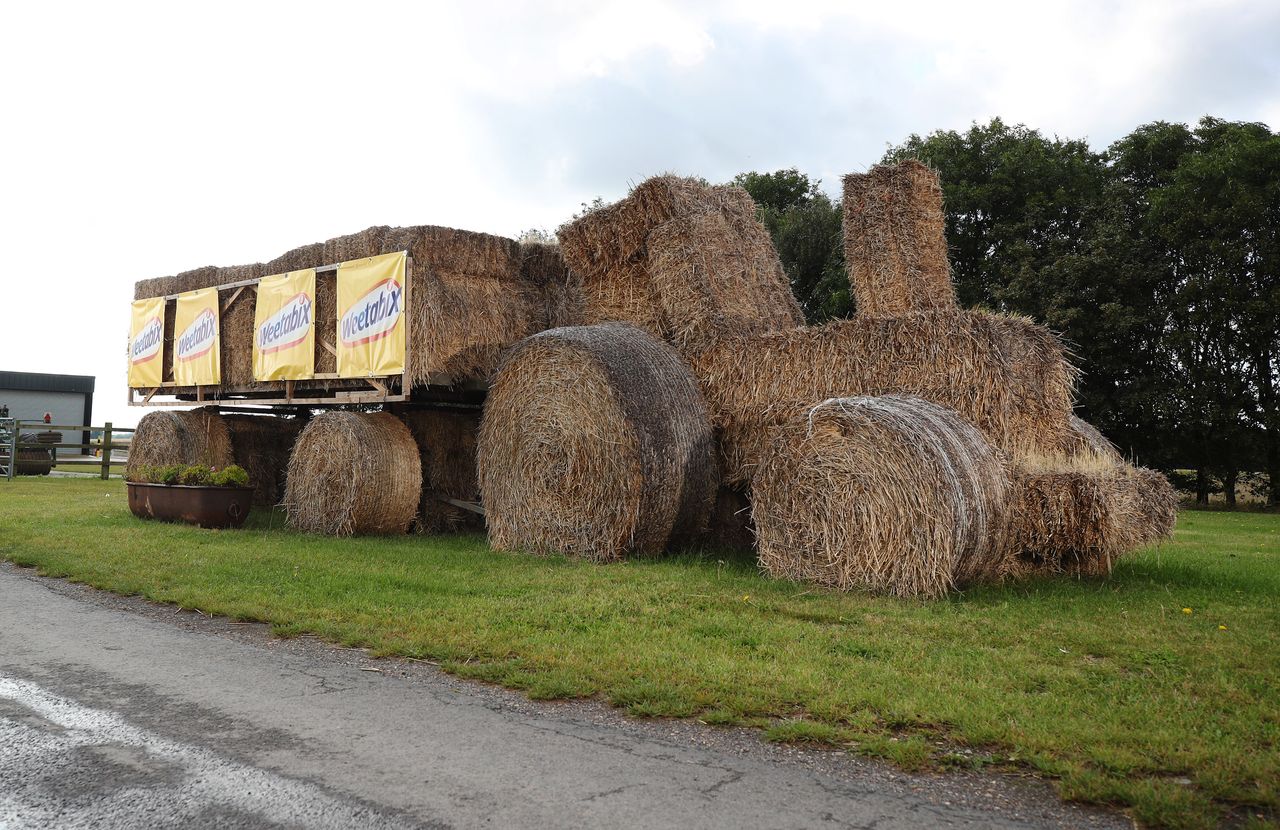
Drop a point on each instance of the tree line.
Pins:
(1157, 259)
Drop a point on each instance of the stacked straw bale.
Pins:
(894, 240)
(541, 263)
(1080, 515)
(167, 437)
(1085, 440)
(470, 300)
(681, 259)
(353, 473)
(892, 494)
(261, 444)
(1005, 375)
(595, 443)
(447, 447)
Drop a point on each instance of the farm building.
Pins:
(68, 399)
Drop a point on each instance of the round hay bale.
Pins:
(892, 494)
(353, 473)
(595, 442)
(166, 437)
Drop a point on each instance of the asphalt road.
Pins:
(115, 712)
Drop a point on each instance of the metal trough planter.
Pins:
(214, 507)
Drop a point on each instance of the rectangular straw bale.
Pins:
(455, 251)
(1080, 516)
(366, 243)
(894, 240)
(543, 264)
(470, 300)
(712, 278)
(237, 326)
(461, 322)
(1006, 375)
(447, 445)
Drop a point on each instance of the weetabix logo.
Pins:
(147, 344)
(374, 315)
(287, 327)
(197, 339)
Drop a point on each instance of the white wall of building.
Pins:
(66, 408)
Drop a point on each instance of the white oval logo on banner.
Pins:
(198, 337)
(372, 316)
(287, 327)
(147, 344)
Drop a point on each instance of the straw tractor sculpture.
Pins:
(649, 383)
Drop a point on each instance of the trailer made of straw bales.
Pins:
(651, 377)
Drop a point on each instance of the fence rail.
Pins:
(11, 431)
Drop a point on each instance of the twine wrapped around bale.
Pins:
(353, 473)
(682, 260)
(447, 447)
(1080, 515)
(894, 240)
(892, 494)
(595, 443)
(261, 444)
(1006, 375)
(167, 437)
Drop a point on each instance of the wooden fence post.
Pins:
(106, 451)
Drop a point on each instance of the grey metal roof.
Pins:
(41, 382)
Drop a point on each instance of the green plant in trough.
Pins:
(193, 475)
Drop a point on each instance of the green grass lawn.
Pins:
(1112, 688)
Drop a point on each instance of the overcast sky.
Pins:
(142, 140)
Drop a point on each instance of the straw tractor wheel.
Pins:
(595, 442)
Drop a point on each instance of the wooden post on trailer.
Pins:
(405, 375)
(106, 451)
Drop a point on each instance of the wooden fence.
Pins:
(11, 431)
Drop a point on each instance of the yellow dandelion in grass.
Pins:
(1222, 628)
(1186, 610)
(746, 597)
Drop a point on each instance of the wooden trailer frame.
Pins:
(380, 389)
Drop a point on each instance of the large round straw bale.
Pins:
(165, 437)
(595, 442)
(353, 473)
(892, 493)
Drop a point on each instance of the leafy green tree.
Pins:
(1034, 227)
(1212, 215)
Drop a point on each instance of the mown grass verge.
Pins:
(1111, 688)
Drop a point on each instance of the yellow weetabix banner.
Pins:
(371, 316)
(195, 339)
(146, 343)
(284, 332)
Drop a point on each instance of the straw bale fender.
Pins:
(595, 443)
(893, 494)
(353, 473)
(1081, 515)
